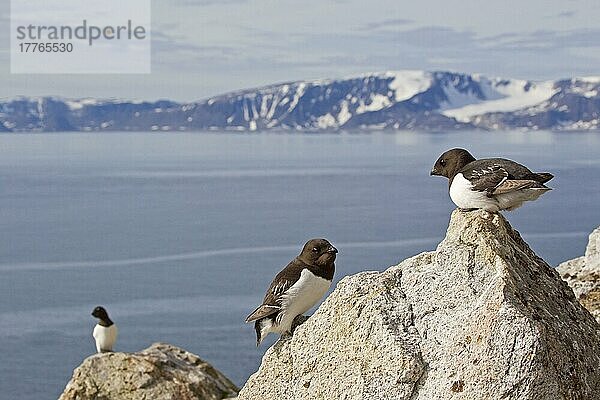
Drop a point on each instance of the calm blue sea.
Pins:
(178, 235)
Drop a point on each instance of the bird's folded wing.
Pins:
(541, 177)
(511, 185)
(264, 310)
(274, 296)
(486, 179)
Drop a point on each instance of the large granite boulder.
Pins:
(583, 275)
(160, 372)
(482, 317)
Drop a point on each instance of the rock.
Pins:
(160, 372)
(482, 317)
(583, 275)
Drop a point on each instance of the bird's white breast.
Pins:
(463, 195)
(301, 297)
(105, 337)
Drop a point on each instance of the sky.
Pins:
(202, 48)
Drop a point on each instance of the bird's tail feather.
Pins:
(262, 328)
(541, 177)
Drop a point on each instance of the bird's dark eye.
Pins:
(315, 249)
(443, 162)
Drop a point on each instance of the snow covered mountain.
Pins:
(390, 100)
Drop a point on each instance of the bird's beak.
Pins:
(433, 172)
(332, 250)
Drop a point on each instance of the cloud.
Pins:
(4, 38)
(248, 43)
(565, 14)
(203, 3)
(422, 37)
(545, 39)
(542, 54)
(170, 43)
(177, 53)
(326, 54)
(386, 23)
(433, 36)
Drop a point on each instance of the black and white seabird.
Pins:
(491, 184)
(105, 331)
(296, 289)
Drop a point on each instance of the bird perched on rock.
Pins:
(105, 331)
(295, 290)
(491, 184)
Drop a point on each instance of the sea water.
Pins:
(179, 235)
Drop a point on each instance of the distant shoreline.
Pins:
(400, 100)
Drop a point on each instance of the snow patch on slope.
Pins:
(79, 104)
(378, 102)
(344, 114)
(500, 96)
(406, 84)
(326, 121)
(589, 79)
(299, 93)
(586, 87)
(458, 99)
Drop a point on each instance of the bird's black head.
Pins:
(318, 252)
(451, 162)
(100, 313)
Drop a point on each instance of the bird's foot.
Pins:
(284, 337)
(467, 209)
(299, 320)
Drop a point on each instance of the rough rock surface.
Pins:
(583, 275)
(482, 317)
(160, 372)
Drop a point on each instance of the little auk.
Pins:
(105, 331)
(490, 184)
(295, 290)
